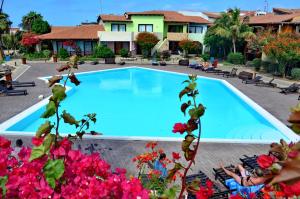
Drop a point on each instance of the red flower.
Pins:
(176, 156)
(4, 143)
(37, 141)
(179, 128)
(236, 197)
(293, 154)
(151, 145)
(265, 161)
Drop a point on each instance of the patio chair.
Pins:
(232, 185)
(6, 92)
(266, 84)
(253, 81)
(232, 73)
(249, 162)
(202, 178)
(211, 70)
(17, 83)
(290, 89)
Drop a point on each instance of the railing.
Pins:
(174, 36)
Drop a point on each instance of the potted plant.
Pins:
(54, 58)
(24, 60)
(104, 52)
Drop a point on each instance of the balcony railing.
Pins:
(115, 36)
(174, 36)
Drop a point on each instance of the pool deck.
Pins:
(120, 153)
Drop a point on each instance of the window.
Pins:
(175, 28)
(145, 28)
(118, 27)
(88, 48)
(195, 29)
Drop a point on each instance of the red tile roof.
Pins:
(113, 18)
(271, 18)
(73, 32)
(172, 16)
(285, 10)
(213, 15)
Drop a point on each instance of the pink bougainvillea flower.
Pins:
(293, 154)
(265, 161)
(179, 128)
(37, 141)
(176, 156)
(4, 143)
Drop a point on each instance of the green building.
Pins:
(170, 27)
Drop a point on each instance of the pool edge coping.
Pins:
(268, 116)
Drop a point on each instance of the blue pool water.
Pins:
(141, 102)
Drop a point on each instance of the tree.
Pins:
(231, 26)
(10, 41)
(284, 48)
(146, 41)
(188, 45)
(40, 26)
(28, 20)
(4, 27)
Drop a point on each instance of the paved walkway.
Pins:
(120, 153)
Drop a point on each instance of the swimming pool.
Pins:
(140, 103)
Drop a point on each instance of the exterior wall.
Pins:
(198, 36)
(157, 21)
(107, 25)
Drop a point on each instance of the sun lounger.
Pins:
(6, 92)
(232, 73)
(232, 185)
(211, 70)
(249, 163)
(290, 89)
(23, 84)
(253, 81)
(266, 84)
(244, 75)
(202, 178)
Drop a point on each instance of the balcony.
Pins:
(197, 37)
(115, 36)
(174, 36)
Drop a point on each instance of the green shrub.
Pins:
(165, 55)
(35, 56)
(63, 53)
(103, 52)
(47, 53)
(249, 64)
(295, 73)
(273, 68)
(236, 58)
(266, 66)
(124, 52)
(256, 64)
(205, 57)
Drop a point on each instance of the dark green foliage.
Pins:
(40, 26)
(124, 52)
(205, 57)
(295, 73)
(47, 53)
(103, 52)
(165, 55)
(63, 53)
(28, 20)
(265, 65)
(236, 58)
(256, 63)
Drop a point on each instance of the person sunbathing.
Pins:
(246, 179)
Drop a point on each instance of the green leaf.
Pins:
(37, 152)
(185, 91)
(50, 110)
(44, 129)
(184, 106)
(69, 119)
(53, 170)
(58, 92)
(193, 77)
(186, 81)
(48, 141)
(185, 146)
(173, 171)
(192, 85)
(3, 181)
(191, 126)
(171, 192)
(196, 113)
(74, 79)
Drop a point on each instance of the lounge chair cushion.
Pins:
(233, 185)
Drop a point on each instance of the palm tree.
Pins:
(28, 19)
(233, 27)
(4, 28)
